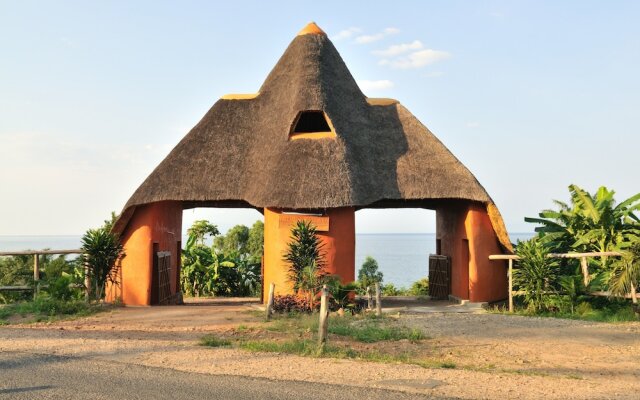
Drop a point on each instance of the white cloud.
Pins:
(417, 59)
(364, 39)
(346, 33)
(369, 86)
(398, 49)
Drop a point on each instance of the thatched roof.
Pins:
(241, 153)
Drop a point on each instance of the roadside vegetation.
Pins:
(228, 267)
(548, 286)
(360, 337)
(61, 289)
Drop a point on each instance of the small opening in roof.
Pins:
(311, 125)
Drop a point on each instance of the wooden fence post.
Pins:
(378, 300)
(510, 285)
(324, 317)
(36, 275)
(272, 288)
(585, 271)
(87, 283)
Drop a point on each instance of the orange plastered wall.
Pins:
(338, 245)
(487, 279)
(160, 223)
(473, 276)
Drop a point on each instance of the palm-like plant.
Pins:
(101, 250)
(305, 258)
(535, 273)
(626, 273)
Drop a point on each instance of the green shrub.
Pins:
(420, 287)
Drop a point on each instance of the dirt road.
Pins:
(496, 356)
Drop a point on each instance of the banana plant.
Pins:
(590, 223)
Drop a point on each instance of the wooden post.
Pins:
(272, 288)
(378, 300)
(87, 283)
(510, 285)
(369, 298)
(324, 317)
(36, 275)
(585, 271)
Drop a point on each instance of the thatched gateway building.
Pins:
(309, 145)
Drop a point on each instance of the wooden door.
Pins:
(439, 277)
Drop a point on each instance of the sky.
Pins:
(530, 95)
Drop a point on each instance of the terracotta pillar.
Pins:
(336, 229)
(156, 223)
(465, 234)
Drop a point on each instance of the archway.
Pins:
(400, 240)
(250, 151)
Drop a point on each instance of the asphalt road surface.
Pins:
(36, 376)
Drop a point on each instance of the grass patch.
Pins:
(366, 329)
(371, 330)
(48, 309)
(592, 309)
(310, 348)
(214, 341)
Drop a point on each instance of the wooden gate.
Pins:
(164, 272)
(439, 277)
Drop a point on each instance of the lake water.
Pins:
(403, 258)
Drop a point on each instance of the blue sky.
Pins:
(531, 96)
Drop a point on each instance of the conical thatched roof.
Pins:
(241, 153)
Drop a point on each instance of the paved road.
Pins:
(35, 376)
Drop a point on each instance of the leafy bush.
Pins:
(420, 287)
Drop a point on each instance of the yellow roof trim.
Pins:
(312, 135)
(311, 29)
(240, 96)
(381, 101)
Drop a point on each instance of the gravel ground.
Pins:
(497, 356)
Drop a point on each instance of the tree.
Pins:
(235, 241)
(306, 259)
(201, 229)
(368, 274)
(255, 244)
